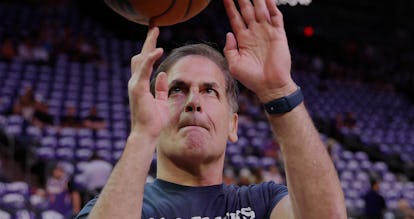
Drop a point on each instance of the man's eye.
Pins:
(211, 91)
(174, 90)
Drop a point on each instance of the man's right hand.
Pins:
(148, 114)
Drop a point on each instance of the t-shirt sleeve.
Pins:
(275, 193)
(84, 213)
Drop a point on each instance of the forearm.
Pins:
(312, 180)
(122, 195)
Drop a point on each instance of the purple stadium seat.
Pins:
(120, 134)
(46, 153)
(104, 144)
(25, 214)
(347, 155)
(38, 202)
(84, 133)
(34, 131)
(5, 215)
(119, 123)
(50, 214)
(232, 149)
(242, 142)
(380, 167)
(87, 143)
(116, 155)
(347, 175)
(17, 187)
(68, 167)
(15, 120)
(389, 177)
(67, 142)
(119, 144)
(103, 134)
(83, 154)
(252, 161)
(105, 154)
(340, 165)
(68, 132)
(237, 161)
(361, 156)
(267, 162)
(49, 141)
(14, 129)
(13, 201)
(51, 131)
(64, 153)
(366, 165)
(359, 203)
(353, 165)
(358, 186)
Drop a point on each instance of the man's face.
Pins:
(201, 120)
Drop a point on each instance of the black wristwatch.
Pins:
(284, 104)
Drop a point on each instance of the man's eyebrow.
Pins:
(211, 85)
(181, 83)
(177, 83)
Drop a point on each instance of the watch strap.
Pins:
(284, 104)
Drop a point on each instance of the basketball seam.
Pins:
(166, 11)
(190, 3)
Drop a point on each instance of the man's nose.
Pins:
(193, 103)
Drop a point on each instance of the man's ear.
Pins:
(234, 118)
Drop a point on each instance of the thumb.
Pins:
(230, 49)
(161, 86)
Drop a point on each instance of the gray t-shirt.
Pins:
(165, 200)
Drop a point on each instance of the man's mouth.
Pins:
(192, 125)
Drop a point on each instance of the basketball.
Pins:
(160, 12)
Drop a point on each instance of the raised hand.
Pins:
(257, 51)
(148, 114)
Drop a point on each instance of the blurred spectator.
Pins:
(94, 175)
(25, 50)
(403, 210)
(42, 117)
(58, 191)
(349, 120)
(374, 202)
(245, 177)
(25, 105)
(273, 174)
(258, 175)
(93, 120)
(8, 52)
(229, 176)
(40, 53)
(70, 119)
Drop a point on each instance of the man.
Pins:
(193, 115)
(375, 204)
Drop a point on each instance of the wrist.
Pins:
(284, 104)
(276, 93)
(138, 137)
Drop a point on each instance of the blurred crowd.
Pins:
(72, 35)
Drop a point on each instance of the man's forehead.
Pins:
(196, 69)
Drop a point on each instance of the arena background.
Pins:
(353, 60)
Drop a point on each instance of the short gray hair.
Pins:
(232, 90)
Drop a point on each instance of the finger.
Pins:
(236, 20)
(148, 65)
(261, 11)
(230, 49)
(247, 11)
(161, 86)
(151, 40)
(276, 16)
(142, 64)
